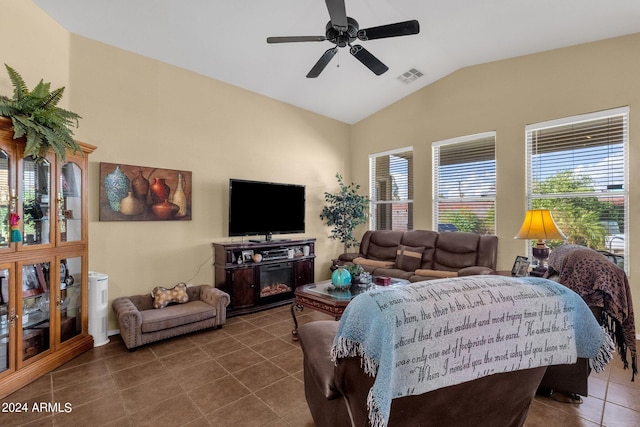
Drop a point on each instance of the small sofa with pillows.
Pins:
(423, 254)
(166, 313)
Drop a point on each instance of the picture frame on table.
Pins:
(247, 256)
(520, 266)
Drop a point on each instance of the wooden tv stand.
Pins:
(270, 282)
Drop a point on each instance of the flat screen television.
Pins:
(265, 208)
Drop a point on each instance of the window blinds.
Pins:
(595, 148)
(464, 182)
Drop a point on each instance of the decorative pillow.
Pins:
(162, 297)
(409, 258)
(372, 262)
(436, 273)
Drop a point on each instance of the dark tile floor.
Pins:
(249, 373)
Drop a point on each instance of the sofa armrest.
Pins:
(349, 256)
(218, 299)
(316, 340)
(442, 274)
(475, 270)
(130, 321)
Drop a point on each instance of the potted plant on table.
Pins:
(36, 116)
(355, 270)
(344, 211)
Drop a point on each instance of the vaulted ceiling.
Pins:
(226, 40)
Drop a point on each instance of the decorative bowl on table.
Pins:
(341, 278)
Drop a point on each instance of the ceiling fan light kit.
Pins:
(342, 31)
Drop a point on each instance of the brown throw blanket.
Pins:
(603, 284)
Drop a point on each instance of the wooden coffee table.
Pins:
(324, 297)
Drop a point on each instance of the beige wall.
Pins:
(143, 112)
(505, 96)
(33, 43)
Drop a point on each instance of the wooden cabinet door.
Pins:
(8, 320)
(71, 208)
(303, 272)
(8, 188)
(34, 310)
(37, 198)
(242, 287)
(70, 289)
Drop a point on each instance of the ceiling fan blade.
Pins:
(338, 14)
(391, 30)
(322, 63)
(293, 39)
(370, 61)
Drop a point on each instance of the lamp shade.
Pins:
(539, 224)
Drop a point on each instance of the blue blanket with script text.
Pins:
(427, 335)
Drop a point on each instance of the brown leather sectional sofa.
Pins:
(423, 254)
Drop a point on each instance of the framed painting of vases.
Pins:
(140, 193)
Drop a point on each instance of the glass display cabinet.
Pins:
(43, 261)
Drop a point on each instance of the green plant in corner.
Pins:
(36, 116)
(344, 211)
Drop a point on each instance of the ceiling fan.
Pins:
(342, 30)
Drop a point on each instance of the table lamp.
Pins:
(539, 225)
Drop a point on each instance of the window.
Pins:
(578, 169)
(464, 184)
(391, 190)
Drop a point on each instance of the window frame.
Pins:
(622, 112)
(373, 180)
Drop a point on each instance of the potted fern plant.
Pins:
(344, 211)
(36, 116)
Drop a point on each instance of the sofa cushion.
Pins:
(409, 258)
(372, 262)
(436, 273)
(455, 251)
(142, 302)
(176, 315)
(383, 245)
(392, 272)
(163, 296)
